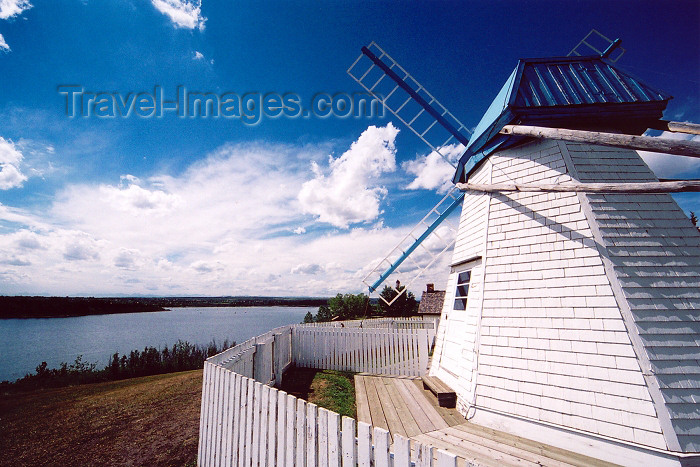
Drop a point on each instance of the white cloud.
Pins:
(185, 14)
(136, 200)
(198, 55)
(672, 166)
(306, 268)
(229, 224)
(10, 8)
(3, 45)
(433, 172)
(350, 193)
(10, 159)
(82, 248)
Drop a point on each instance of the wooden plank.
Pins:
(242, 420)
(311, 435)
(417, 412)
(323, 444)
(472, 452)
(281, 428)
(402, 452)
(264, 404)
(677, 127)
(498, 445)
(237, 416)
(381, 441)
(289, 448)
(435, 418)
(375, 405)
(204, 435)
(249, 422)
(393, 420)
(228, 419)
(552, 452)
(300, 455)
(424, 455)
(203, 401)
(257, 406)
(362, 403)
(409, 423)
(446, 459)
(208, 416)
(216, 419)
(644, 143)
(272, 427)
(678, 186)
(364, 444)
(334, 438)
(348, 442)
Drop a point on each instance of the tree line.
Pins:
(351, 306)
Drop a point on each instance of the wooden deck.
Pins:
(402, 406)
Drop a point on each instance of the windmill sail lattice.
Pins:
(424, 115)
(596, 43)
(408, 100)
(428, 252)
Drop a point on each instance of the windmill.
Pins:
(572, 307)
(412, 104)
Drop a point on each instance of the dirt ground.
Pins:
(150, 421)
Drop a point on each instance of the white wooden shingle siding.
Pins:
(654, 251)
(455, 354)
(545, 336)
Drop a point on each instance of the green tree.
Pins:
(349, 306)
(694, 219)
(405, 305)
(308, 318)
(324, 314)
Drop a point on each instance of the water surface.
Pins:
(25, 343)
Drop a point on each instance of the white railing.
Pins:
(371, 350)
(244, 421)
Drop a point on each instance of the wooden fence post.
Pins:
(348, 442)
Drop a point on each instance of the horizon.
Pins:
(114, 182)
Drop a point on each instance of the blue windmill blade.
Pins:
(423, 245)
(381, 76)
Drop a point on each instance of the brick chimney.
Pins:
(431, 288)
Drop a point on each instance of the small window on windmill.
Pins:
(462, 290)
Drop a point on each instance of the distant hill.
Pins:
(59, 307)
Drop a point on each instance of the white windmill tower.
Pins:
(572, 312)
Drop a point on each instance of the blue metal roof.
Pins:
(569, 92)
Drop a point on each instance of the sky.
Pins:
(110, 187)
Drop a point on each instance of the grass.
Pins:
(334, 390)
(152, 420)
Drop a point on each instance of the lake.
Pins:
(25, 343)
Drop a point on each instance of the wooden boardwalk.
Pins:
(402, 406)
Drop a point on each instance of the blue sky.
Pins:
(286, 205)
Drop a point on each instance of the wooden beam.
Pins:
(644, 143)
(641, 187)
(677, 127)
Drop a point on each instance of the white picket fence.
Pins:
(246, 423)
(371, 350)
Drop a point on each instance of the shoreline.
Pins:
(36, 307)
